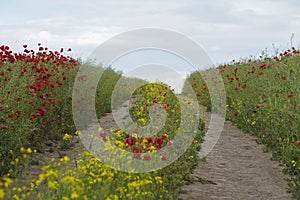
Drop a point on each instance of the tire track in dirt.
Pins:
(240, 170)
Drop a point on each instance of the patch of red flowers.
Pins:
(39, 73)
(132, 143)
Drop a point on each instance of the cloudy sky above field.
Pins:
(225, 29)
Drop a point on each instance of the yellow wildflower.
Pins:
(16, 197)
(190, 157)
(112, 197)
(65, 159)
(8, 182)
(158, 179)
(67, 137)
(142, 120)
(74, 195)
(119, 133)
(2, 194)
(29, 151)
(53, 185)
(22, 150)
(78, 132)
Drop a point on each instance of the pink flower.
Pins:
(297, 142)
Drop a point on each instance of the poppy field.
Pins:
(262, 98)
(36, 107)
(36, 102)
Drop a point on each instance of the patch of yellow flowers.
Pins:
(87, 178)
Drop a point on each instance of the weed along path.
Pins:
(236, 168)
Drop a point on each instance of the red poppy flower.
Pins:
(149, 139)
(256, 106)
(289, 96)
(4, 127)
(297, 142)
(158, 141)
(41, 112)
(127, 142)
(11, 115)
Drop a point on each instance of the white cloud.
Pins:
(226, 29)
(44, 36)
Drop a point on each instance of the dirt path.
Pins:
(237, 168)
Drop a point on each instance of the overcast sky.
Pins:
(225, 29)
